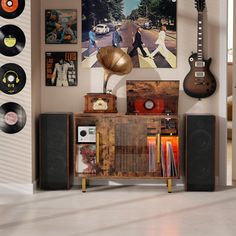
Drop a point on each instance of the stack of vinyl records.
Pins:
(169, 156)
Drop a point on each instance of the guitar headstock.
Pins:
(200, 5)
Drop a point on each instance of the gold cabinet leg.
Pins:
(83, 184)
(169, 185)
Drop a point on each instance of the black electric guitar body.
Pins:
(199, 82)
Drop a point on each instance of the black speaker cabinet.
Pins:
(200, 152)
(56, 151)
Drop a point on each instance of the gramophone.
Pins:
(114, 61)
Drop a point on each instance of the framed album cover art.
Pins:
(61, 69)
(145, 29)
(61, 26)
(86, 159)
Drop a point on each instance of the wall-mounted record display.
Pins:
(10, 9)
(12, 117)
(12, 78)
(12, 40)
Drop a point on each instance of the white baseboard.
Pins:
(14, 188)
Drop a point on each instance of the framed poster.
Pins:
(145, 29)
(60, 26)
(61, 69)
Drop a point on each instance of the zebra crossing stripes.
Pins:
(144, 62)
(170, 58)
(90, 61)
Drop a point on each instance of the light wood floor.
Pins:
(119, 211)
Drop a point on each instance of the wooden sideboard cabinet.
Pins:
(128, 147)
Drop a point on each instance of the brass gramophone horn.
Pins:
(114, 61)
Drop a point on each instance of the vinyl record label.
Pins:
(10, 9)
(12, 40)
(12, 117)
(12, 78)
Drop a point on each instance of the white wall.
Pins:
(90, 80)
(16, 149)
(36, 81)
(234, 99)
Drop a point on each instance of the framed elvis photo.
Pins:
(61, 69)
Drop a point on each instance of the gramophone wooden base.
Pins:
(100, 103)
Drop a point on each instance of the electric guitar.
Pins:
(199, 82)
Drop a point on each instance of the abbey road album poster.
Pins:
(61, 69)
(145, 29)
(60, 26)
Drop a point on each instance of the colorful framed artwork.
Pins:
(61, 26)
(86, 159)
(61, 69)
(145, 29)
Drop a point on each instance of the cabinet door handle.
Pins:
(97, 147)
(158, 148)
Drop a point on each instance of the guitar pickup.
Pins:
(199, 74)
(200, 64)
(199, 83)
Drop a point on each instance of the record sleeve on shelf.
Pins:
(152, 153)
(10, 9)
(12, 40)
(170, 156)
(12, 78)
(61, 69)
(12, 117)
(86, 159)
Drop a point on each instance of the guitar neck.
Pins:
(200, 37)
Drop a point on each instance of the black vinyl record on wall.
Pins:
(12, 117)
(12, 40)
(12, 78)
(10, 9)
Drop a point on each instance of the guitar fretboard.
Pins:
(200, 37)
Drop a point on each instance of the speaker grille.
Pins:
(200, 152)
(56, 151)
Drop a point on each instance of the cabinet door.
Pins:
(105, 146)
(136, 149)
(128, 147)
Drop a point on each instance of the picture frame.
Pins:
(61, 26)
(61, 69)
(146, 30)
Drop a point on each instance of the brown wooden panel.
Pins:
(123, 142)
(100, 103)
(164, 95)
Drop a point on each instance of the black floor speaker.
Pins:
(200, 152)
(56, 151)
